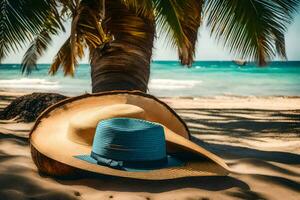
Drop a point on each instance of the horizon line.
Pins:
(170, 61)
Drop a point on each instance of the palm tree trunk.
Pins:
(123, 64)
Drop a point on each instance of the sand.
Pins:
(258, 138)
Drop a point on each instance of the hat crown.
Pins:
(128, 139)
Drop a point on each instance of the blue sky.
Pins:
(207, 48)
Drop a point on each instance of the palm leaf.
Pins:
(41, 41)
(251, 29)
(86, 30)
(168, 13)
(178, 21)
(64, 59)
(67, 57)
(19, 21)
(190, 23)
(89, 27)
(36, 49)
(68, 5)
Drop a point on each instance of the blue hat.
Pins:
(131, 145)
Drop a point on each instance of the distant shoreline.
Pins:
(22, 92)
(228, 102)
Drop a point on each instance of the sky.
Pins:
(207, 48)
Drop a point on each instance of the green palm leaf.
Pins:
(37, 48)
(168, 14)
(19, 21)
(251, 29)
(86, 30)
(177, 20)
(64, 59)
(88, 26)
(190, 23)
(42, 41)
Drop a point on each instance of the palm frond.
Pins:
(42, 41)
(179, 22)
(89, 27)
(67, 5)
(251, 29)
(63, 59)
(67, 57)
(86, 30)
(69, 69)
(190, 23)
(36, 49)
(19, 21)
(168, 13)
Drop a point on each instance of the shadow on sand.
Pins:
(104, 183)
(238, 152)
(242, 122)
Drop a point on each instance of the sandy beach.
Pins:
(259, 138)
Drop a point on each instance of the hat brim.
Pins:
(49, 137)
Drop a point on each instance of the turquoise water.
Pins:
(169, 78)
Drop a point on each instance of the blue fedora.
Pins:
(130, 144)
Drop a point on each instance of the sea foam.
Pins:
(30, 83)
(170, 84)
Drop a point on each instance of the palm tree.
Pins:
(119, 34)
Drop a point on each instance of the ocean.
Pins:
(169, 78)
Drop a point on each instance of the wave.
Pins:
(28, 83)
(199, 67)
(170, 84)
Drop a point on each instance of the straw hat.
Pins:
(96, 132)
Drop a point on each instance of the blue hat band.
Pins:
(128, 164)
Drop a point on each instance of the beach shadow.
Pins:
(16, 139)
(238, 152)
(4, 156)
(3, 105)
(263, 164)
(6, 122)
(119, 184)
(14, 186)
(18, 182)
(246, 195)
(287, 183)
(282, 182)
(242, 123)
(7, 98)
